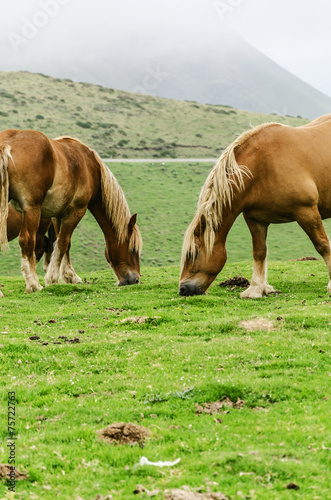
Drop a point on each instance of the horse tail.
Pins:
(5, 156)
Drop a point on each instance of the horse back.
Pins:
(77, 163)
(289, 166)
(31, 171)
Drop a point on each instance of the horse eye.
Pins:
(193, 256)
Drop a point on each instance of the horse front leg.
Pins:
(310, 220)
(60, 261)
(67, 272)
(27, 242)
(259, 286)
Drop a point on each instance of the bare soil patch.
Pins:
(219, 406)
(183, 494)
(301, 259)
(124, 433)
(257, 324)
(5, 471)
(235, 282)
(139, 320)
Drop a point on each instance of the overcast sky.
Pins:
(50, 36)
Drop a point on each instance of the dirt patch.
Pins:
(237, 281)
(257, 324)
(139, 320)
(122, 433)
(305, 258)
(65, 339)
(5, 472)
(34, 337)
(62, 339)
(116, 310)
(219, 406)
(141, 489)
(181, 494)
(292, 486)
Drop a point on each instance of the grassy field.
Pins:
(165, 197)
(87, 368)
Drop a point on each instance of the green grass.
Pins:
(153, 374)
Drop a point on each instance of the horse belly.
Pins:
(55, 203)
(270, 216)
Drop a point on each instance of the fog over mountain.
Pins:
(232, 73)
(188, 50)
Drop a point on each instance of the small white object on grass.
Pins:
(145, 461)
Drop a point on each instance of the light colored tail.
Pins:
(4, 194)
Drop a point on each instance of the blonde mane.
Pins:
(217, 194)
(114, 202)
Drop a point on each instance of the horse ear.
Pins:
(201, 226)
(132, 223)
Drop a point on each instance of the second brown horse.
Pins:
(62, 178)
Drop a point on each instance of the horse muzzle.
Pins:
(129, 279)
(188, 289)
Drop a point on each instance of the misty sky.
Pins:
(56, 36)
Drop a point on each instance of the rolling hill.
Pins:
(121, 124)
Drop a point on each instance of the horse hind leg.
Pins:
(259, 286)
(310, 220)
(60, 257)
(27, 242)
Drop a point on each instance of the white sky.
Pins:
(50, 36)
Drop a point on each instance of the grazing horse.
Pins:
(272, 173)
(62, 178)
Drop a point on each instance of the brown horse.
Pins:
(272, 174)
(62, 178)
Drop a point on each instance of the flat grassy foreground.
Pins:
(188, 351)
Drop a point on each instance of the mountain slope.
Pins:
(118, 123)
(225, 70)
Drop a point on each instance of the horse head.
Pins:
(124, 255)
(203, 256)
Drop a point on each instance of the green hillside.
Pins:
(164, 195)
(121, 124)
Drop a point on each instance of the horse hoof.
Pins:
(269, 289)
(49, 282)
(77, 281)
(251, 293)
(33, 288)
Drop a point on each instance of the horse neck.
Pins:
(229, 216)
(99, 212)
